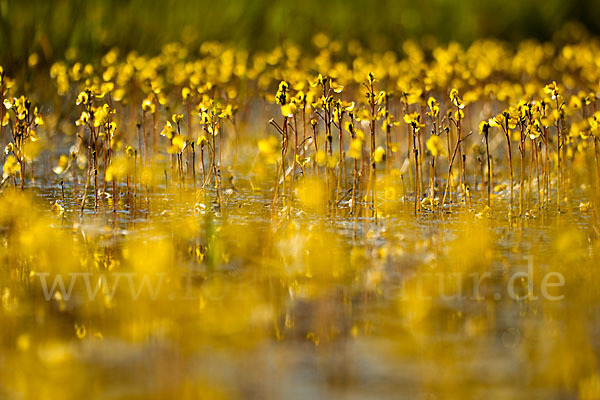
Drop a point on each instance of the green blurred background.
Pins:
(50, 27)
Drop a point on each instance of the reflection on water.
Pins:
(297, 304)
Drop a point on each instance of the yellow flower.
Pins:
(355, 148)
(130, 151)
(148, 105)
(177, 118)
(455, 99)
(434, 145)
(409, 118)
(281, 97)
(413, 119)
(337, 88)
(594, 122)
(33, 136)
(268, 149)
(319, 81)
(321, 158)
(534, 130)
(575, 102)
(552, 89)
(379, 154)
(349, 127)
(228, 112)
(57, 209)
(178, 143)
(22, 106)
(168, 130)
(83, 97)
(39, 121)
(100, 115)
(62, 165)
(371, 78)
(117, 169)
(185, 93)
(302, 161)
(11, 167)
(202, 140)
(348, 107)
(434, 107)
(389, 122)
(484, 126)
(110, 128)
(83, 119)
(288, 110)
(8, 103)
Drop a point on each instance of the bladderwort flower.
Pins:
(26, 119)
(414, 121)
(484, 128)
